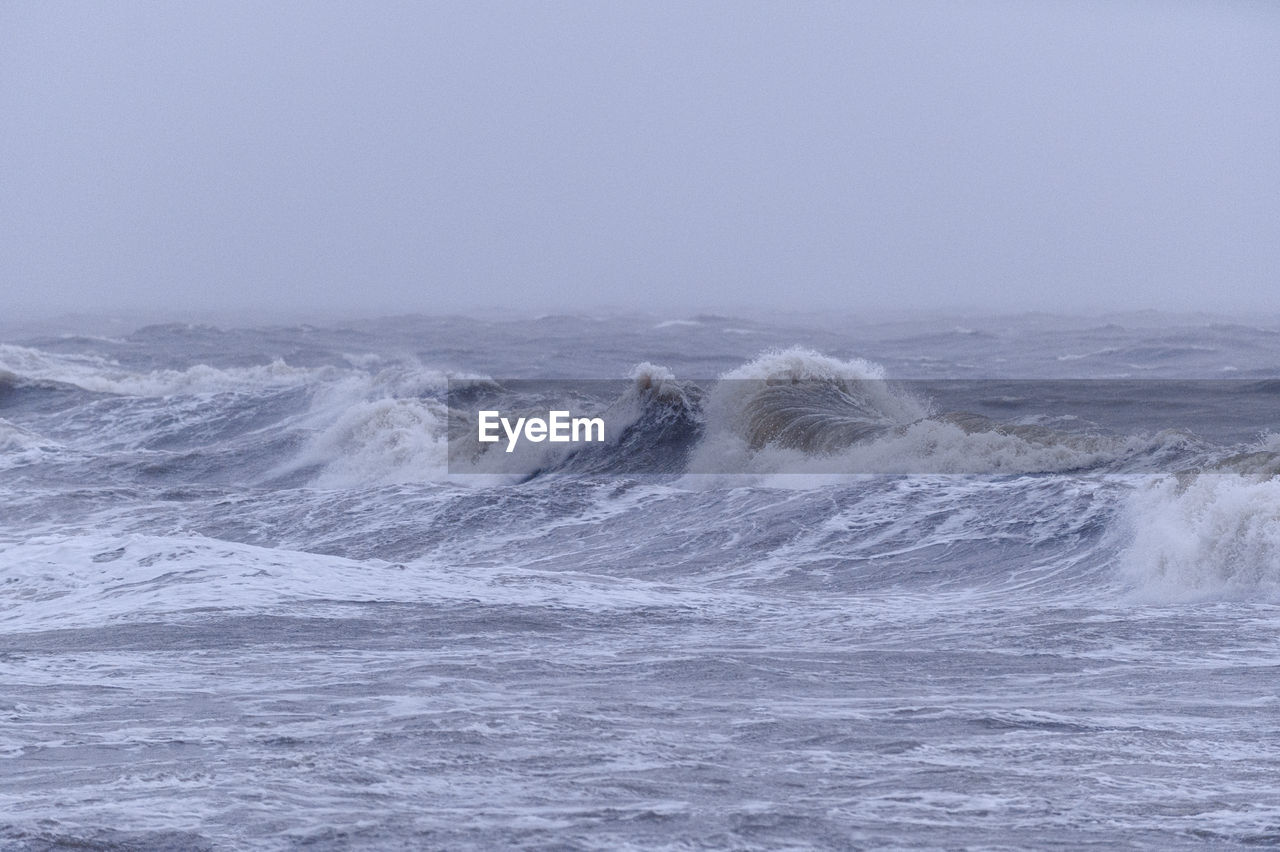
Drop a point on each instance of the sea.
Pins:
(917, 582)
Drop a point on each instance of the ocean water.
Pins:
(252, 597)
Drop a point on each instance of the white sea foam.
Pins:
(15, 438)
(102, 375)
(381, 442)
(1206, 536)
(20, 446)
(94, 579)
(959, 644)
(375, 429)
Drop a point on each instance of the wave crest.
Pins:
(802, 400)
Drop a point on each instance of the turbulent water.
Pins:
(252, 596)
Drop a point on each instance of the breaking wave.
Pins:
(101, 375)
(1205, 536)
(373, 422)
(798, 411)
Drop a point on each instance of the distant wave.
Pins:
(100, 375)
(798, 411)
(381, 422)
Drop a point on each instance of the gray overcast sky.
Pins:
(390, 157)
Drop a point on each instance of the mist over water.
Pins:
(474, 157)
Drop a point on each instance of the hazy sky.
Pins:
(387, 157)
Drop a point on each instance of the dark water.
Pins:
(246, 601)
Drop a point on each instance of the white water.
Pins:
(247, 601)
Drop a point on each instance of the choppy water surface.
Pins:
(247, 602)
